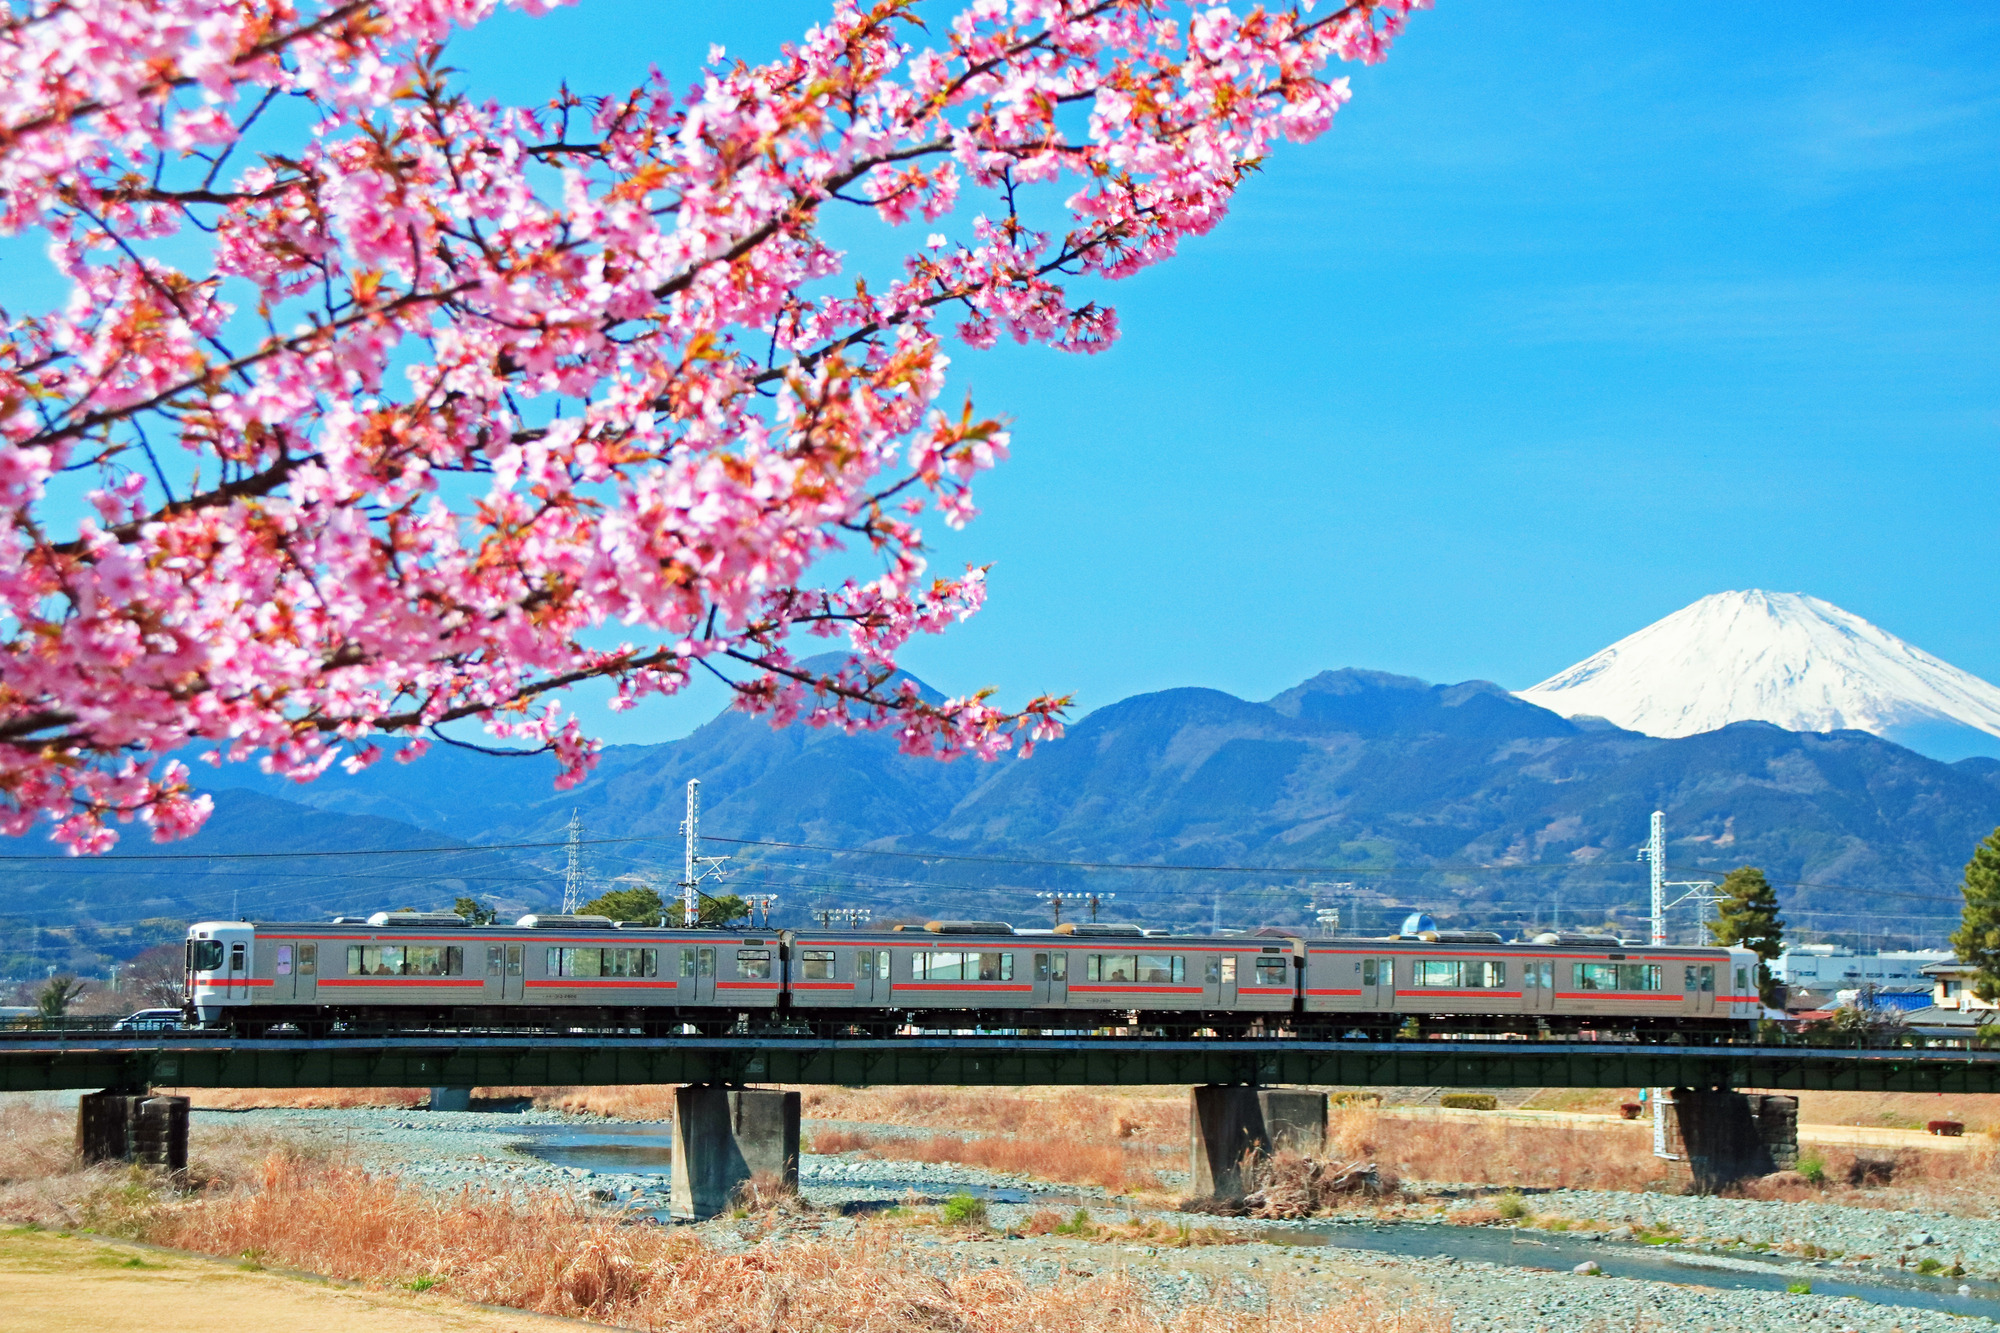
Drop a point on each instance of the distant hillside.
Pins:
(75, 913)
(1461, 799)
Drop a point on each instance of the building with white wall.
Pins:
(1825, 968)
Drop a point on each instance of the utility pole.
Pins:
(1056, 901)
(573, 880)
(696, 867)
(761, 902)
(1094, 900)
(1655, 854)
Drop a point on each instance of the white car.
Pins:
(149, 1020)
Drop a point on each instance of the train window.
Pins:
(572, 962)
(629, 963)
(995, 966)
(1687, 979)
(1432, 972)
(1496, 974)
(1112, 967)
(284, 960)
(1594, 976)
(754, 964)
(871, 963)
(1211, 972)
(514, 953)
(1161, 969)
(308, 959)
(603, 962)
(396, 960)
(205, 955)
(817, 964)
(931, 965)
(1271, 971)
(1229, 969)
(494, 953)
(1369, 976)
(687, 962)
(236, 952)
(1638, 976)
(1059, 967)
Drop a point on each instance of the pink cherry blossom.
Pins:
(446, 406)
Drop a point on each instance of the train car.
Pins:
(1473, 981)
(432, 970)
(426, 969)
(1082, 976)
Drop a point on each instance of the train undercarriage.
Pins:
(330, 1021)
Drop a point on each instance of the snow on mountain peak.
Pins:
(1783, 658)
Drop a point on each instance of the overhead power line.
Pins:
(1135, 865)
(1373, 871)
(288, 856)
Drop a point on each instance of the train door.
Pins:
(283, 960)
(1698, 989)
(1538, 985)
(871, 976)
(1219, 981)
(1052, 978)
(1378, 984)
(307, 973)
(513, 981)
(236, 980)
(697, 974)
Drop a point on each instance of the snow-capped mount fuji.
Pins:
(1784, 658)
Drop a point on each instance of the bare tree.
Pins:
(154, 979)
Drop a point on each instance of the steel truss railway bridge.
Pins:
(726, 1130)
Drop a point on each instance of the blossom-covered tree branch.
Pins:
(457, 387)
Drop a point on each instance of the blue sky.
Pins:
(1579, 313)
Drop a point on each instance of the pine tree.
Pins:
(1748, 917)
(1977, 939)
(639, 905)
(475, 912)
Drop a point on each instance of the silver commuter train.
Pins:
(420, 969)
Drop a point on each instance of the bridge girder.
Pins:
(176, 1061)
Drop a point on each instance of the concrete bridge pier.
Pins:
(723, 1137)
(1727, 1137)
(451, 1099)
(121, 1126)
(1228, 1123)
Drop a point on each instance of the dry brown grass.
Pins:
(833, 1142)
(1138, 1115)
(1122, 1168)
(1589, 1101)
(552, 1256)
(1500, 1152)
(43, 1181)
(1898, 1110)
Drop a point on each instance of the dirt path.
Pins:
(50, 1282)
